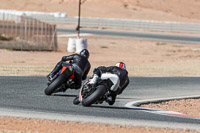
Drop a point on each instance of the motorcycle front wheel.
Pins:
(88, 101)
(54, 85)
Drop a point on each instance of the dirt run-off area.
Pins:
(143, 57)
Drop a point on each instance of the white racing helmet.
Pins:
(121, 65)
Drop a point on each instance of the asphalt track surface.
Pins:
(142, 35)
(23, 96)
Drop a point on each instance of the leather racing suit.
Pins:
(81, 66)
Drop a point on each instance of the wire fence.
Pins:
(27, 33)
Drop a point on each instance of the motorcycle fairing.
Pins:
(64, 68)
(114, 78)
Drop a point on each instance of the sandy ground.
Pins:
(163, 10)
(20, 125)
(143, 57)
(189, 107)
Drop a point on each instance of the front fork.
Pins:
(56, 75)
(80, 95)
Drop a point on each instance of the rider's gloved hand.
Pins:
(94, 79)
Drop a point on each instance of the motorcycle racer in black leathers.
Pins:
(120, 71)
(80, 64)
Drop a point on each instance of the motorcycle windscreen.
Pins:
(114, 78)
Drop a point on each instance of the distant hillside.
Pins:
(167, 10)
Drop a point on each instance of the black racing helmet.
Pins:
(85, 53)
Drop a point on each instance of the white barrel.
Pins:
(71, 45)
(81, 43)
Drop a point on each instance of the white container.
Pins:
(71, 45)
(81, 43)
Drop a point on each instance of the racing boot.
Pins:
(111, 99)
(49, 78)
(76, 100)
(53, 72)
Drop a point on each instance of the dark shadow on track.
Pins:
(124, 98)
(64, 95)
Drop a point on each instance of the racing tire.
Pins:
(76, 101)
(54, 85)
(100, 91)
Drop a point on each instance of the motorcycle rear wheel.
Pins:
(100, 91)
(54, 85)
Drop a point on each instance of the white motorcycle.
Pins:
(97, 93)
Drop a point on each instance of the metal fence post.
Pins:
(30, 33)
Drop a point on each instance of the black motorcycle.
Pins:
(97, 93)
(62, 78)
